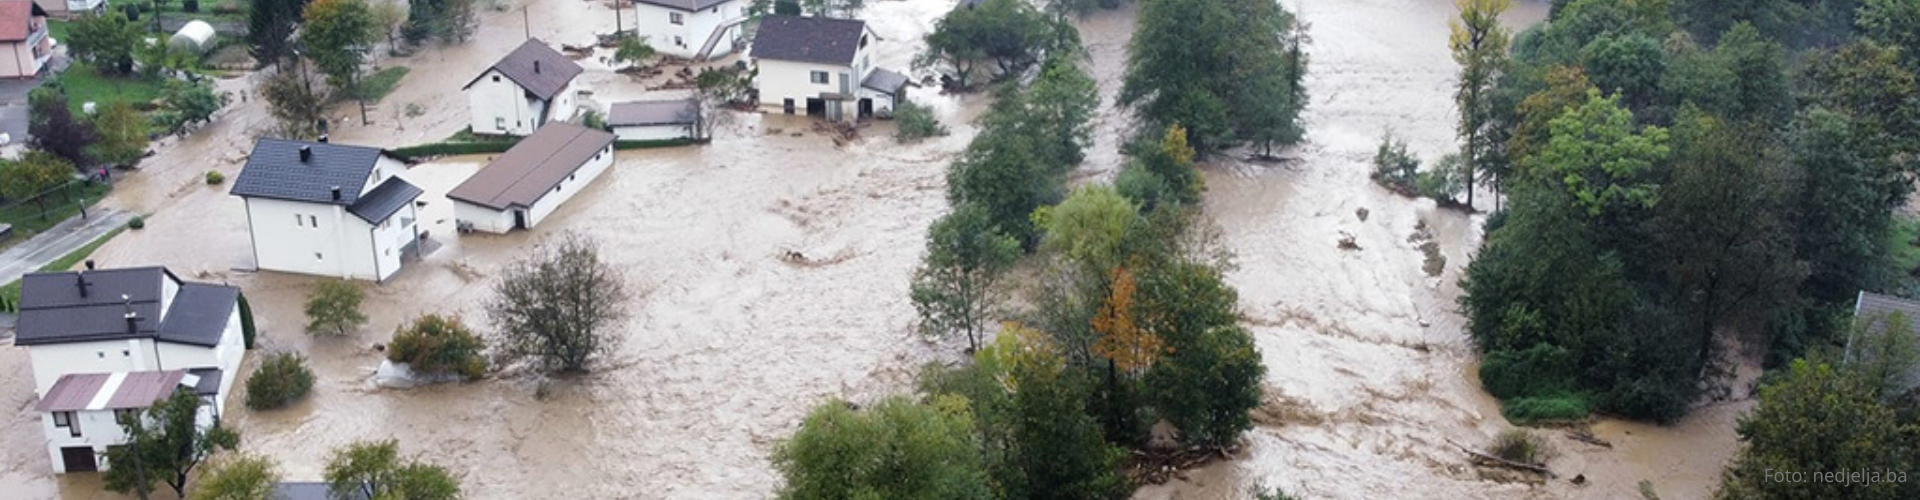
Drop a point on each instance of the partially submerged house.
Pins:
(1873, 314)
(654, 120)
(523, 186)
(80, 413)
(25, 46)
(822, 67)
(128, 320)
(693, 29)
(529, 87)
(328, 209)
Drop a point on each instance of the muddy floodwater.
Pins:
(771, 269)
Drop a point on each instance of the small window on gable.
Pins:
(496, 78)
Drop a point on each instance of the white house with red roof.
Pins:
(80, 413)
(25, 46)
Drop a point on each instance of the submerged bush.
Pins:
(916, 122)
(281, 379)
(1518, 445)
(438, 344)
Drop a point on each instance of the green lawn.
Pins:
(84, 84)
(27, 218)
(381, 83)
(10, 292)
(58, 30)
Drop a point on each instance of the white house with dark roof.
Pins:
(529, 87)
(822, 67)
(523, 186)
(128, 320)
(654, 120)
(694, 29)
(328, 209)
(79, 415)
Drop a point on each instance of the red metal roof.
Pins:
(14, 16)
(78, 391)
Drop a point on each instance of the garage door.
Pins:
(78, 459)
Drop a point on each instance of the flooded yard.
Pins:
(732, 338)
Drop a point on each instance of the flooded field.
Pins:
(1370, 379)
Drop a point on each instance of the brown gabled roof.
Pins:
(14, 17)
(533, 167)
(123, 390)
(535, 67)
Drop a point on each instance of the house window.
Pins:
(317, 256)
(126, 353)
(298, 221)
(819, 77)
(65, 419)
(674, 17)
(863, 41)
(500, 122)
(100, 354)
(496, 78)
(678, 42)
(314, 221)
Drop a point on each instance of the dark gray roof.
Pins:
(274, 170)
(384, 200)
(308, 491)
(52, 310)
(808, 39)
(674, 112)
(209, 383)
(1875, 308)
(685, 5)
(536, 67)
(532, 168)
(885, 81)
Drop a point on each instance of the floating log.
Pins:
(1483, 457)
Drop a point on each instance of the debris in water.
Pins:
(1347, 241)
(1362, 213)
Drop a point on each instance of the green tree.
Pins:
(294, 104)
(1596, 153)
(270, 26)
(1162, 174)
(1566, 87)
(437, 344)
(896, 449)
(1865, 81)
(106, 41)
(1090, 228)
(123, 134)
(1190, 62)
(389, 16)
(1479, 45)
(337, 35)
(1842, 207)
(33, 173)
(246, 477)
(558, 306)
(1010, 34)
(52, 127)
(955, 288)
(1882, 351)
(374, 469)
(1895, 23)
(164, 443)
(633, 50)
(1060, 107)
(184, 105)
(282, 379)
(1003, 171)
(1820, 419)
(333, 307)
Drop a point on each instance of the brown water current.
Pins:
(732, 339)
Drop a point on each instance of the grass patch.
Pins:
(1560, 408)
(62, 203)
(83, 84)
(382, 82)
(10, 293)
(1904, 244)
(58, 30)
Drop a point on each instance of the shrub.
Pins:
(215, 178)
(916, 122)
(1546, 408)
(190, 6)
(1445, 179)
(1272, 494)
(228, 7)
(1518, 445)
(438, 344)
(247, 333)
(593, 120)
(137, 222)
(281, 379)
(1393, 166)
(333, 307)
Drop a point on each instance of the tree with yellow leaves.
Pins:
(1121, 340)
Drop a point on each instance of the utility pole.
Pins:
(618, 28)
(526, 21)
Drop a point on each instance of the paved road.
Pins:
(57, 241)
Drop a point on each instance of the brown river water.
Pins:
(731, 342)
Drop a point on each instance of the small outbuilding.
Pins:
(1876, 315)
(524, 185)
(654, 120)
(196, 36)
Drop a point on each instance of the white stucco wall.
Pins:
(98, 430)
(483, 218)
(570, 186)
(780, 80)
(652, 132)
(342, 245)
(500, 106)
(656, 24)
(50, 361)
